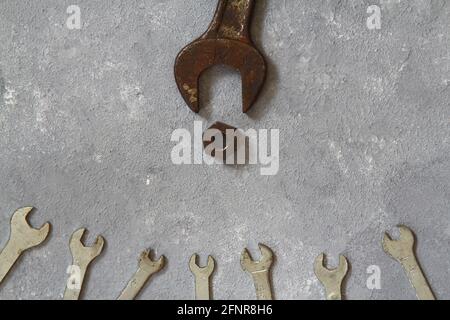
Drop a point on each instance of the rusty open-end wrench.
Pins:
(227, 41)
(21, 238)
(402, 250)
(331, 279)
(260, 271)
(82, 257)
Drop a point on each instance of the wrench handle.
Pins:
(136, 284)
(417, 278)
(8, 258)
(231, 21)
(262, 285)
(202, 288)
(74, 293)
(334, 292)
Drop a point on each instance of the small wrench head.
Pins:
(401, 248)
(202, 54)
(196, 269)
(22, 231)
(79, 250)
(249, 265)
(323, 273)
(331, 278)
(145, 262)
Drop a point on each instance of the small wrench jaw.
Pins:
(331, 279)
(77, 246)
(322, 271)
(200, 55)
(145, 262)
(399, 249)
(249, 265)
(260, 271)
(196, 269)
(30, 236)
(22, 237)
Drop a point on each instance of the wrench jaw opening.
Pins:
(196, 269)
(251, 266)
(146, 262)
(22, 231)
(322, 271)
(227, 41)
(402, 248)
(200, 55)
(331, 279)
(78, 249)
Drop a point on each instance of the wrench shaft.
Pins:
(417, 278)
(334, 292)
(231, 21)
(73, 290)
(135, 285)
(262, 285)
(8, 258)
(202, 288)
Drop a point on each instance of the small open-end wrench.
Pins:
(331, 279)
(227, 41)
(260, 271)
(21, 238)
(202, 276)
(402, 250)
(147, 268)
(82, 257)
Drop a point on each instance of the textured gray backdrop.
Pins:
(86, 118)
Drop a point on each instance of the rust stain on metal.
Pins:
(227, 41)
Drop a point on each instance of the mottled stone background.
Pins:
(86, 118)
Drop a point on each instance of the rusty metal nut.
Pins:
(218, 136)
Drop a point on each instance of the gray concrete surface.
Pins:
(86, 118)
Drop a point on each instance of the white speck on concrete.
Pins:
(134, 100)
(42, 107)
(9, 96)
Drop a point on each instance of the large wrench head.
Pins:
(324, 274)
(196, 269)
(205, 53)
(249, 265)
(401, 248)
(145, 262)
(23, 232)
(80, 251)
